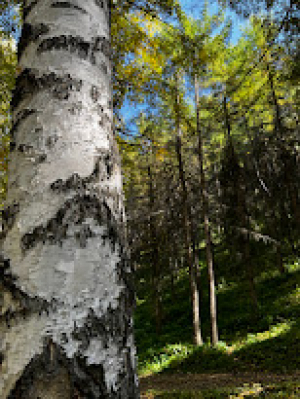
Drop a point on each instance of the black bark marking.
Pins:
(28, 83)
(41, 158)
(77, 45)
(21, 116)
(8, 216)
(105, 167)
(102, 171)
(76, 108)
(28, 149)
(30, 33)
(129, 389)
(26, 304)
(75, 211)
(85, 381)
(114, 323)
(88, 380)
(83, 235)
(95, 93)
(102, 44)
(99, 3)
(74, 44)
(125, 276)
(68, 5)
(104, 68)
(25, 148)
(104, 120)
(27, 9)
(12, 146)
(41, 371)
(51, 140)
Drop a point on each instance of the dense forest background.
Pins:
(209, 136)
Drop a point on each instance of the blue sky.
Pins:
(192, 8)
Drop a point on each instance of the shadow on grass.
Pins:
(279, 306)
(236, 319)
(274, 354)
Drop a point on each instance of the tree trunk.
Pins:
(155, 258)
(287, 170)
(250, 274)
(187, 231)
(207, 230)
(66, 293)
(242, 217)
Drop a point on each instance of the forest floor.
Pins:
(258, 384)
(257, 355)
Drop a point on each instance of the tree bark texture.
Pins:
(189, 253)
(187, 232)
(239, 196)
(287, 163)
(156, 278)
(66, 294)
(207, 229)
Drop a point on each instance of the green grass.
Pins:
(269, 342)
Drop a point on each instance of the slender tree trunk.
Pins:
(172, 275)
(279, 259)
(278, 131)
(277, 234)
(187, 231)
(242, 218)
(291, 189)
(66, 291)
(155, 258)
(197, 269)
(250, 274)
(189, 254)
(207, 229)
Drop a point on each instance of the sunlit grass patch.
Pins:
(156, 361)
(294, 297)
(251, 338)
(255, 352)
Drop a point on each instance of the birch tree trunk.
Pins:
(66, 295)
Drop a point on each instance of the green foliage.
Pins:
(7, 79)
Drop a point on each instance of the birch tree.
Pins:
(66, 295)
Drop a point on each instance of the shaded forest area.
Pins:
(210, 151)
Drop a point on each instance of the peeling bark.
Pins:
(66, 285)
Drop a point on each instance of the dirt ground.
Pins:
(190, 382)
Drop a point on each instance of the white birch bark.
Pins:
(66, 302)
